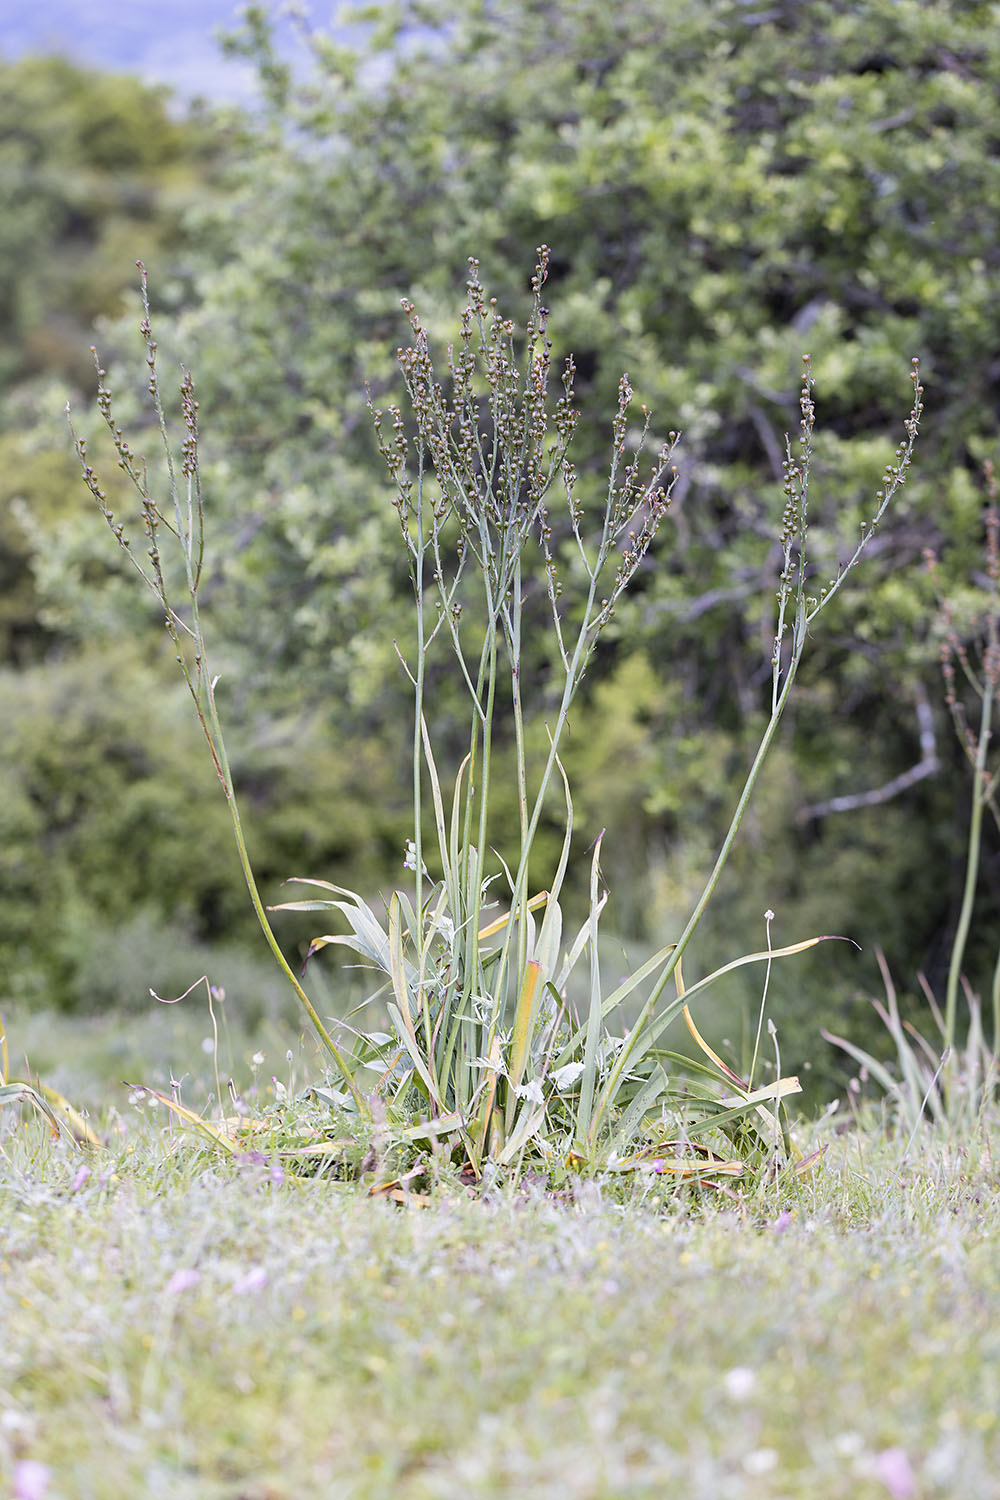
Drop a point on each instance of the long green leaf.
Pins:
(622, 992)
(450, 874)
(529, 1123)
(647, 1029)
(550, 937)
(408, 1039)
(595, 1013)
(779, 1090)
(524, 1015)
(23, 1093)
(61, 1107)
(205, 1127)
(653, 1089)
(864, 1059)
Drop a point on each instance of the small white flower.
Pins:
(943, 1462)
(739, 1383)
(208, 1046)
(410, 856)
(760, 1461)
(257, 1061)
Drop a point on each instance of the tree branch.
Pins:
(926, 766)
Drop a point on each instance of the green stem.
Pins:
(573, 674)
(514, 646)
(971, 869)
(218, 746)
(734, 828)
(479, 782)
(418, 693)
(475, 878)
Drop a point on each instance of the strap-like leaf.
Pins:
(529, 1124)
(523, 1017)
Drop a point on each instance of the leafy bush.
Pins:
(810, 177)
(107, 812)
(88, 163)
(724, 187)
(954, 1081)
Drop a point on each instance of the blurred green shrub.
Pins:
(724, 187)
(94, 170)
(109, 817)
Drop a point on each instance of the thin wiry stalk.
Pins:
(187, 530)
(973, 852)
(985, 684)
(804, 610)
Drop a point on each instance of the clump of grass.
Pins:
(950, 1080)
(485, 1059)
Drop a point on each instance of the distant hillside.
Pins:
(164, 41)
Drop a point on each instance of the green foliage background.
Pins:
(724, 187)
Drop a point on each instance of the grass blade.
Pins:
(595, 1014)
(219, 1137)
(523, 1017)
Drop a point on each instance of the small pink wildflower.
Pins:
(182, 1281)
(893, 1468)
(79, 1179)
(31, 1479)
(253, 1280)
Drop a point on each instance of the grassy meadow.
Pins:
(181, 1323)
